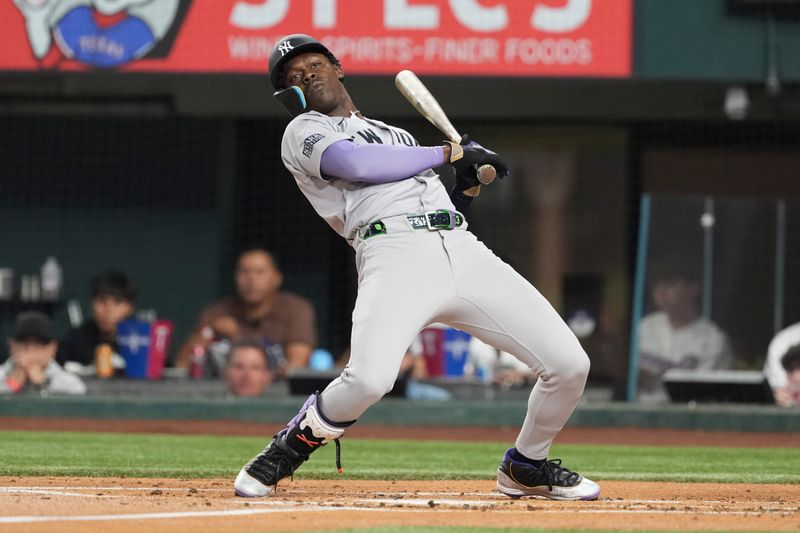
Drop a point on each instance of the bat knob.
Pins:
(486, 174)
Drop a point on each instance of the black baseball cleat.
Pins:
(260, 476)
(551, 480)
(307, 432)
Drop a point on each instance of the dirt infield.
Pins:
(168, 505)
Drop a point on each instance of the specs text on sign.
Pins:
(372, 37)
(400, 15)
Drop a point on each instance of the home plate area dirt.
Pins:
(156, 505)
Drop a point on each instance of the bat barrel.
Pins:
(423, 101)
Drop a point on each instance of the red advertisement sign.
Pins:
(440, 37)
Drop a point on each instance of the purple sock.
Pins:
(516, 456)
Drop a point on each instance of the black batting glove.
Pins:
(466, 177)
(472, 154)
(467, 187)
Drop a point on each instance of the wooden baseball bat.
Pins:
(423, 101)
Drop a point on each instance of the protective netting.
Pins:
(717, 269)
(129, 179)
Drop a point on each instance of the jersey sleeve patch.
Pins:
(311, 140)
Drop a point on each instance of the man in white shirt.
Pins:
(675, 335)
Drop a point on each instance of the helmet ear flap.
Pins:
(292, 99)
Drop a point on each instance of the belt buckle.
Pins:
(451, 216)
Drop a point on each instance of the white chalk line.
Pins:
(376, 505)
(47, 487)
(392, 497)
(159, 516)
(436, 497)
(56, 493)
(300, 492)
(248, 512)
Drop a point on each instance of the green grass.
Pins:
(143, 455)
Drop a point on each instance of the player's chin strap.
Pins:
(292, 99)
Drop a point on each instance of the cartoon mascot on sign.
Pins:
(99, 33)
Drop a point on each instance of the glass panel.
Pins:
(713, 286)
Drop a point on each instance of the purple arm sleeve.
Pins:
(378, 163)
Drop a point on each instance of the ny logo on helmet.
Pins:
(284, 47)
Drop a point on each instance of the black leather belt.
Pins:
(441, 219)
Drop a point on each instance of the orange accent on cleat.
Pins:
(307, 442)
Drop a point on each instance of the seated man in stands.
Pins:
(782, 366)
(282, 321)
(247, 372)
(31, 363)
(675, 335)
(113, 300)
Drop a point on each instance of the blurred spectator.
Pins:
(321, 359)
(414, 371)
(31, 363)
(282, 321)
(413, 363)
(113, 300)
(782, 366)
(412, 374)
(501, 368)
(676, 335)
(247, 372)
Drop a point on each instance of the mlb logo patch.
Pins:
(311, 140)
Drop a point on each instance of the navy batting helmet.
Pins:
(290, 46)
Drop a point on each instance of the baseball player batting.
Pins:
(417, 264)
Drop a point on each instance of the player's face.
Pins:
(247, 373)
(319, 79)
(108, 311)
(256, 277)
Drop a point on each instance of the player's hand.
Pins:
(466, 175)
(470, 153)
(466, 178)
